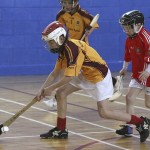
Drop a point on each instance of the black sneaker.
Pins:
(143, 129)
(55, 133)
(1, 129)
(126, 130)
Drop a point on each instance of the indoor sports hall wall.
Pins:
(22, 21)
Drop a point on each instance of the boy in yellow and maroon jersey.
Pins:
(77, 22)
(84, 69)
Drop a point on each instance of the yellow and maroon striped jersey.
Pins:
(77, 56)
(76, 23)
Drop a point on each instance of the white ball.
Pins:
(4, 129)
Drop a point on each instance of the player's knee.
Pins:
(147, 104)
(60, 94)
(103, 113)
(129, 99)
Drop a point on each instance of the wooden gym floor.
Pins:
(87, 131)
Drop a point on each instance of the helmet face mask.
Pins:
(68, 5)
(127, 28)
(133, 18)
(51, 46)
(54, 35)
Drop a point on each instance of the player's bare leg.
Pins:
(61, 97)
(142, 123)
(127, 129)
(105, 112)
(60, 130)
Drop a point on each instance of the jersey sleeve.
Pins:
(127, 56)
(59, 17)
(145, 37)
(87, 21)
(87, 18)
(60, 64)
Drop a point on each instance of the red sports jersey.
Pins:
(137, 50)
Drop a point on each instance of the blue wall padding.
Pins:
(22, 21)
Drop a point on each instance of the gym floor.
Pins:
(87, 131)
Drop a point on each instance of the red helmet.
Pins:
(53, 31)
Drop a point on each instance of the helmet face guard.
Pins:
(132, 19)
(68, 5)
(47, 47)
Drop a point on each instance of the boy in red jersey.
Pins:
(84, 69)
(137, 51)
(77, 22)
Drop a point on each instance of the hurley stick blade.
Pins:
(118, 93)
(93, 22)
(115, 96)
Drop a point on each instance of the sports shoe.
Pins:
(51, 102)
(143, 129)
(118, 86)
(126, 130)
(55, 133)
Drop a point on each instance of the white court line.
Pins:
(56, 114)
(67, 116)
(97, 132)
(79, 134)
(34, 136)
(19, 137)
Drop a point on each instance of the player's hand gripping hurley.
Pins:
(93, 22)
(117, 93)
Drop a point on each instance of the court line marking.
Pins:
(33, 136)
(97, 132)
(79, 134)
(67, 116)
(79, 119)
(18, 137)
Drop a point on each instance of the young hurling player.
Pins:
(77, 22)
(84, 69)
(137, 51)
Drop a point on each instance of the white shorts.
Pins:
(99, 91)
(133, 83)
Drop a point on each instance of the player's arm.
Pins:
(126, 62)
(48, 90)
(71, 71)
(57, 71)
(88, 19)
(52, 76)
(146, 73)
(59, 17)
